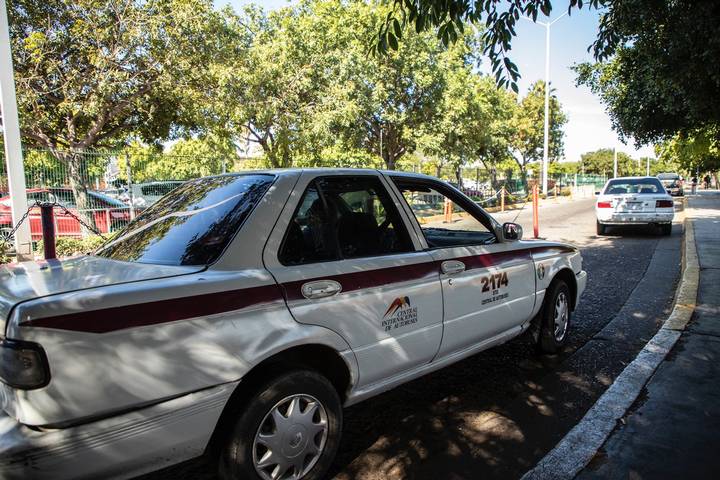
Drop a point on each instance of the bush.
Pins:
(4, 247)
(67, 247)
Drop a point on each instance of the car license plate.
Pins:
(633, 206)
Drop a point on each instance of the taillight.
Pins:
(664, 204)
(604, 205)
(23, 365)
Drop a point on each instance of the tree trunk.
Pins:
(458, 176)
(438, 170)
(73, 161)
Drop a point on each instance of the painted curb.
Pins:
(580, 445)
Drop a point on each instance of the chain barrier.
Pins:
(80, 220)
(6, 239)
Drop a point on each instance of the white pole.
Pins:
(546, 138)
(614, 162)
(13, 147)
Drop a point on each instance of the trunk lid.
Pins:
(29, 280)
(632, 203)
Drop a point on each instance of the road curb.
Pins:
(581, 443)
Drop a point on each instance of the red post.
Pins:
(536, 226)
(48, 230)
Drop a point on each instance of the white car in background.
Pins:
(634, 201)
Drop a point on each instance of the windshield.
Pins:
(191, 225)
(634, 185)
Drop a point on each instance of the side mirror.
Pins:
(512, 231)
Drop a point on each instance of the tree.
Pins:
(90, 73)
(309, 94)
(449, 17)
(529, 131)
(698, 151)
(601, 162)
(660, 75)
(382, 104)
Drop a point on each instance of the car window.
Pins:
(191, 225)
(634, 185)
(444, 222)
(159, 189)
(341, 218)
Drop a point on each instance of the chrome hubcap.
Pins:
(562, 314)
(290, 438)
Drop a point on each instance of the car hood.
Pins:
(24, 281)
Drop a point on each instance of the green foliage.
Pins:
(662, 76)
(600, 162)
(185, 159)
(693, 152)
(528, 128)
(89, 74)
(67, 246)
(449, 17)
(4, 248)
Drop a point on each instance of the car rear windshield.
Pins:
(191, 225)
(634, 185)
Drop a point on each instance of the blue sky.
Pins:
(588, 126)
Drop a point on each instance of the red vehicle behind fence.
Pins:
(109, 214)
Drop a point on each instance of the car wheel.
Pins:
(666, 229)
(555, 321)
(601, 229)
(290, 428)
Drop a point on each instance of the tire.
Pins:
(552, 337)
(600, 228)
(278, 395)
(666, 229)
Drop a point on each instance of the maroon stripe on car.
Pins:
(494, 259)
(183, 308)
(386, 276)
(368, 278)
(162, 311)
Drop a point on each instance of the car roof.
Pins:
(633, 178)
(330, 171)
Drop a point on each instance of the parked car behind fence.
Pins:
(108, 213)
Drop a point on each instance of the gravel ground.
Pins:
(495, 414)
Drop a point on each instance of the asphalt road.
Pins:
(497, 413)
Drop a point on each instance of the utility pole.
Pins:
(546, 137)
(13, 146)
(647, 170)
(614, 162)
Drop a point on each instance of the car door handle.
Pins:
(452, 266)
(320, 289)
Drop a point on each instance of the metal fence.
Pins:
(107, 189)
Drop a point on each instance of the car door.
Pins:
(346, 260)
(488, 287)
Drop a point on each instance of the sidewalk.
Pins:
(673, 429)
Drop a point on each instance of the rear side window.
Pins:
(191, 225)
(634, 185)
(344, 217)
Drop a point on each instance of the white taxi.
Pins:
(239, 314)
(634, 201)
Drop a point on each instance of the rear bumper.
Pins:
(124, 446)
(634, 218)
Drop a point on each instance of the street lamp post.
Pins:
(546, 136)
(13, 147)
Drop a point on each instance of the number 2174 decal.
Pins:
(494, 281)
